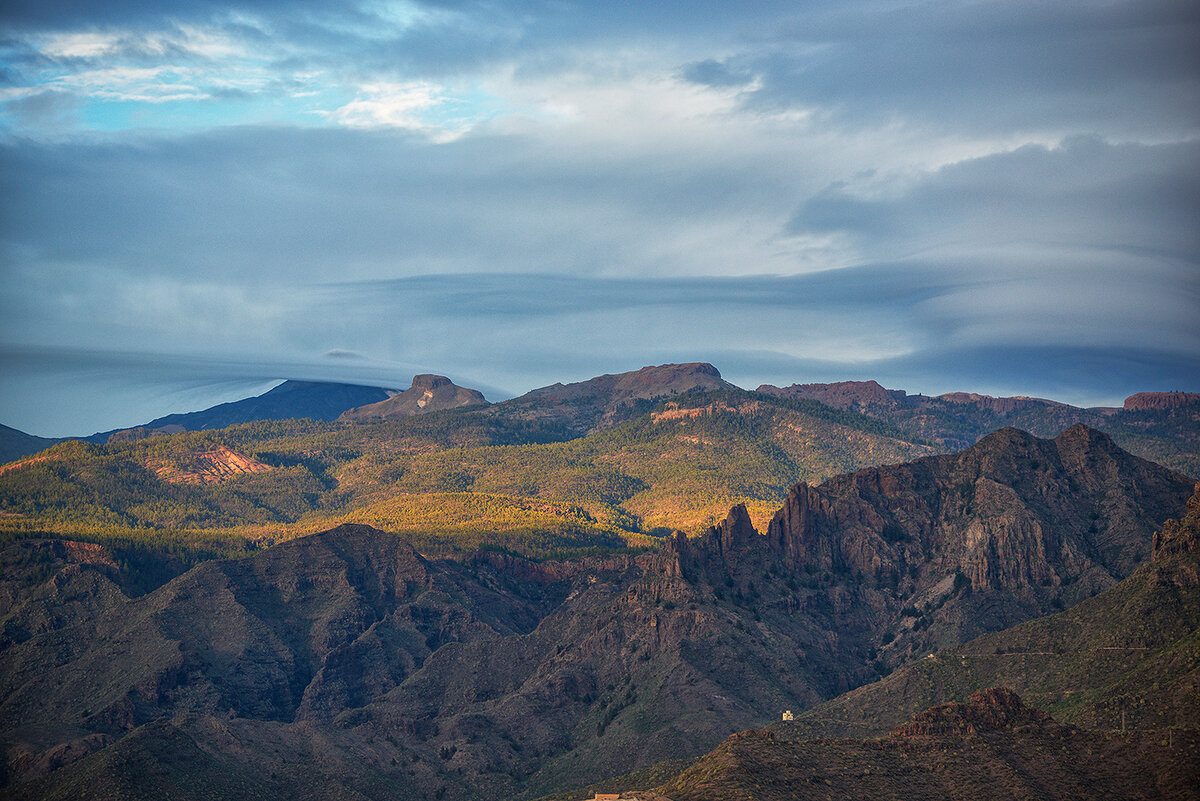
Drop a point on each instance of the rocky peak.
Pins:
(794, 531)
(962, 543)
(733, 535)
(986, 710)
(1182, 535)
(428, 393)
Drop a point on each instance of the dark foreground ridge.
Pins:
(991, 747)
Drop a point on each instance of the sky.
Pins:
(199, 198)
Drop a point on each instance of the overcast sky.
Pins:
(200, 198)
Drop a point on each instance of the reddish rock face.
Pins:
(996, 513)
(1159, 401)
(207, 467)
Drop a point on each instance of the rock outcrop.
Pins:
(986, 710)
(428, 393)
(205, 467)
(948, 547)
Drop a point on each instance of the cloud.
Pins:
(711, 72)
(1084, 197)
(526, 192)
(1123, 69)
(41, 110)
(416, 106)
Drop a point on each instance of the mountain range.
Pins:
(346, 664)
(1163, 426)
(617, 584)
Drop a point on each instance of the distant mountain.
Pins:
(1157, 401)
(455, 478)
(1162, 426)
(428, 393)
(14, 444)
(346, 660)
(992, 746)
(291, 399)
(605, 400)
(955, 420)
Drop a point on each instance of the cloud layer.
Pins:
(994, 196)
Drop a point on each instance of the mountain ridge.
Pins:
(496, 675)
(597, 403)
(289, 400)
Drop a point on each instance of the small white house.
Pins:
(787, 715)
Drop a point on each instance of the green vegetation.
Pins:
(1169, 437)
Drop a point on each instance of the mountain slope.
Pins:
(1130, 656)
(14, 444)
(977, 541)
(992, 746)
(495, 676)
(599, 402)
(457, 475)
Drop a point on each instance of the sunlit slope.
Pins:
(682, 464)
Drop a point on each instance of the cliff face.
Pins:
(1158, 401)
(947, 547)
(1182, 535)
(856, 395)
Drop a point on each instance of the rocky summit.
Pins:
(428, 393)
(600, 402)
